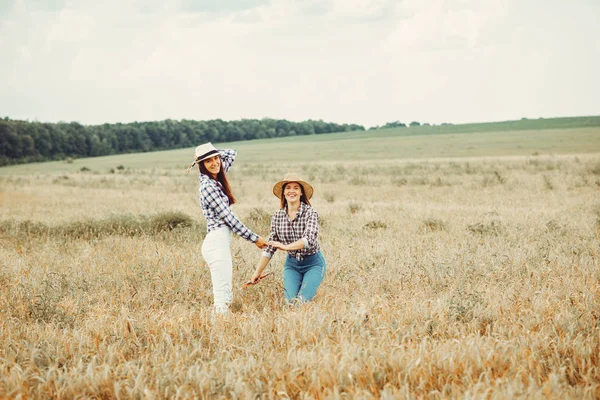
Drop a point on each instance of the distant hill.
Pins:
(520, 125)
(25, 142)
(351, 149)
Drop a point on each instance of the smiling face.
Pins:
(292, 192)
(213, 165)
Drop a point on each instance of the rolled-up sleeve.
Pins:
(311, 231)
(227, 158)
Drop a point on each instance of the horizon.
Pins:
(335, 122)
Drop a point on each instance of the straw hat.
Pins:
(292, 177)
(203, 152)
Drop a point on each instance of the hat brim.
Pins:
(206, 155)
(278, 188)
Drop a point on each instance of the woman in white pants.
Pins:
(216, 198)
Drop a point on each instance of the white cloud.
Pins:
(364, 61)
(441, 25)
(363, 9)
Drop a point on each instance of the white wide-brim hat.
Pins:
(203, 152)
(293, 177)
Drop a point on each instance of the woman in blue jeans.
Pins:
(295, 229)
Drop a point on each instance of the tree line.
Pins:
(398, 124)
(31, 141)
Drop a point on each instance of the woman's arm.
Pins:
(227, 158)
(262, 263)
(270, 250)
(309, 236)
(297, 245)
(210, 194)
(311, 231)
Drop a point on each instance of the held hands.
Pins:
(261, 243)
(278, 245)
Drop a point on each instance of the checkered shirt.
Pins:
(305, 226)
(215, 204)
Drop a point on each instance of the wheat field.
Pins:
(472, 277)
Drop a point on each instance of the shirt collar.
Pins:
(300, 209)
(206, 178)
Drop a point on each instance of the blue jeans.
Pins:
(302, 278)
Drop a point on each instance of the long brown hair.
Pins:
(303, 198)
(221, 178)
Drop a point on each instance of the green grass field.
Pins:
(379, 145)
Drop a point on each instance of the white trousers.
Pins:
(216, 252)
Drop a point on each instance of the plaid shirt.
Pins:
(305, 226)
(215, 204)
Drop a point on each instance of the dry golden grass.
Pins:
(452, 278)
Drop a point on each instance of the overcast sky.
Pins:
(347, 61)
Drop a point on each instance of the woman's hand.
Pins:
(255, 277)
(261, 243)
(278, 245)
